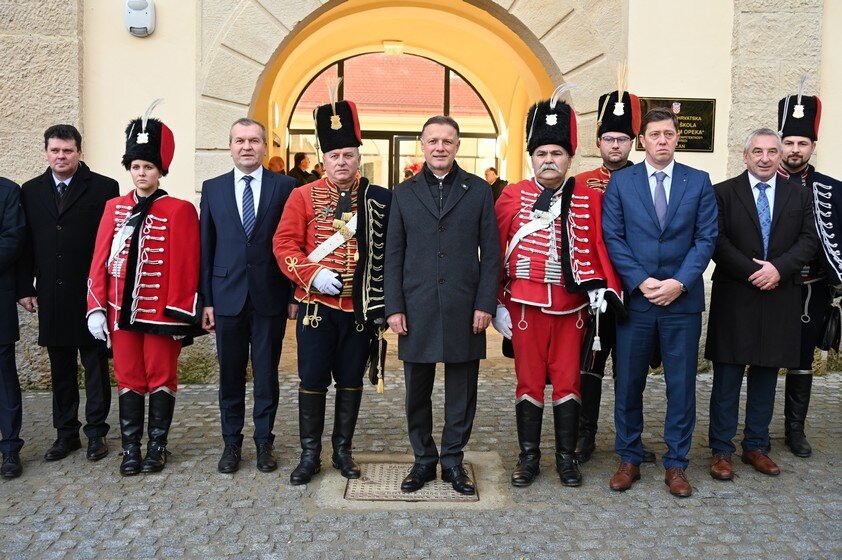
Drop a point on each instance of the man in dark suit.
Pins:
(441, 278)
(12, 234)
(659, 223)
(247, 299)
(766, 235)
(63, 208)
(299, 171)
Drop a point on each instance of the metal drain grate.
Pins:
(381, 482)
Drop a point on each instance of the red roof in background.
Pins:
(380, 83)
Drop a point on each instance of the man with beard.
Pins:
(618, 122)
(555, 265)
(798, 127)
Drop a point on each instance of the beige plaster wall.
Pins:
(124, 74)
(830, 135)
(686, 54)
(39, 79)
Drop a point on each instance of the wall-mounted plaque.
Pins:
(696, 119)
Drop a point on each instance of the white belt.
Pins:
(334, 241)
(533, 226)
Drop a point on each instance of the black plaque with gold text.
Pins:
(696, 118)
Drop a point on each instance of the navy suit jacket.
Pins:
(639, 248)
(234, 266)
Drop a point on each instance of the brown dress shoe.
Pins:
(677, 481)
(761, 462)
(625, 476)
(722, 466)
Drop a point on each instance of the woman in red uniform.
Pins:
(142, 291)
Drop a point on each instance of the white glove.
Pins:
(502, 321)
(98, 325)
(597, 297)
(327, 282)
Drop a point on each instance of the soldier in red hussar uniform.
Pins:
(555, 267)
(142, 291)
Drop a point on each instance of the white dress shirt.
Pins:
(240, 187)
(650, 173)
(56, 180)
(770, 192)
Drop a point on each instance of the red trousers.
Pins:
(144, 363)
(546, 346)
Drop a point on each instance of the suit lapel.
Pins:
(46, 193)
(641, 185)
(267, 191)
(742, 189)
(782, 195)
(230, 200)
(420, 190)
(457, 191)
(678, 187)
(76, 190)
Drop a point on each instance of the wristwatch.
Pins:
(683, 287)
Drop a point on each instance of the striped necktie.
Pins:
(248, 206)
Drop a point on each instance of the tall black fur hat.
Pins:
(552, 121)
(618, 115)
(799, 114)
(149, 140)
(337, 123)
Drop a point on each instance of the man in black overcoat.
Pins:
(63, 208)
(12, 232)
(442, 272)
(766, 235)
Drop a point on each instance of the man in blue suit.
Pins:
(659, 220)
(246, 297)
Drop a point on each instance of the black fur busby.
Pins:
(799, 114)
(618, 115)
(149, 140)
(337, 126)
(552, 121)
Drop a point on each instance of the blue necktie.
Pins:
(765, 215)
(61, 188)
(660, 197)
(248, 207)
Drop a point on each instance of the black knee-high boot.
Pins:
(591, 387)
(131, 428)
(311, 426)
(344, 423)
(161, 407)
(566, 419)
(529, 419)
(796, 402)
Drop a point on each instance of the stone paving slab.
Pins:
(77, 509)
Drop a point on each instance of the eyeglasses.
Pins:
(618, 139)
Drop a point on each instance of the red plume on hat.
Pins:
(149, 140)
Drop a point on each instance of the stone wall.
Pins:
(40, 79)
(774, 43)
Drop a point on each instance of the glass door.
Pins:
(407, 157)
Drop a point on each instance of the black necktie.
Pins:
(61, 188)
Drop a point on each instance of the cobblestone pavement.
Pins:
(78, 509)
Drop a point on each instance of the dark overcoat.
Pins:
(58, 252)
(747, 325)
(441, 266)
(12, 234)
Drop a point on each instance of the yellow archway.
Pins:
(498, 63)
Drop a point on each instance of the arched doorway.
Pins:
(464, 41)
(392, 112)
(258, 57)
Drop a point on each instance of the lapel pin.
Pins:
(464, 186)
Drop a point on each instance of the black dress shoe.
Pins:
(97, 448)
(11, 465)
(458, 477)
(417, 477)
(62, 448)
(649, 455)
(266, 461)
(230, 460)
